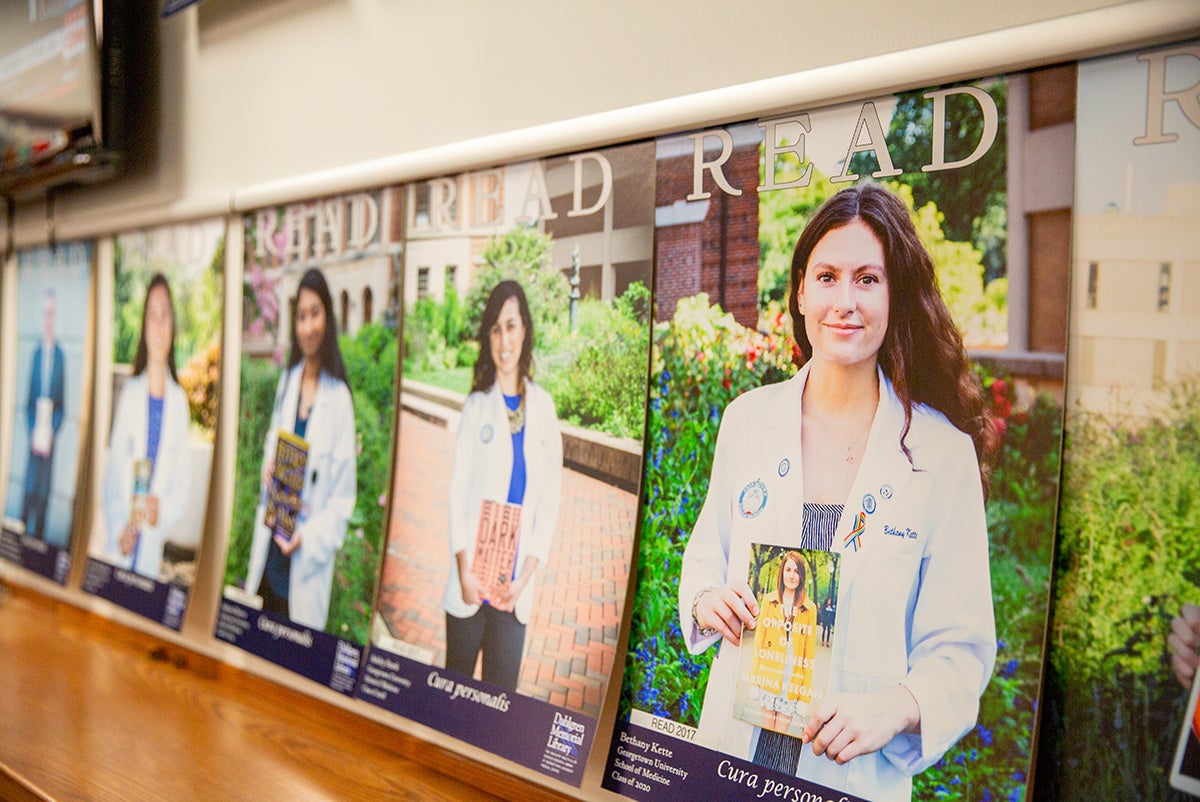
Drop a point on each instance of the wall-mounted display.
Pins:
(320, 311)
(52, 385)
(159, 378)
(1129, 526)
(852, 456)
(526, 331)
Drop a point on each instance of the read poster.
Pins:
(320, 310)
(777, 416)
(1129, 555)
(50, 391)
(523, 392)
(158, 383)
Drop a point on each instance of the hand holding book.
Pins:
(471, 590)
(268, 470)
(152, 510)
(726, 608)
(847, 725)
(1184, 641)
(288, 545)
(129, 538)
(505, 596)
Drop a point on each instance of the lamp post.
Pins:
(574, 284)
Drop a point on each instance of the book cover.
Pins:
(287, 483)
(783, 663)
(43, 428)
(142, 470)
(496, 546)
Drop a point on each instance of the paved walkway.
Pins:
(572, 636)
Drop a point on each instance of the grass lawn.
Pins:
(456, 379)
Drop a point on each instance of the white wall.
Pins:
(261, 92)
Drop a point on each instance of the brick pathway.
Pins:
(572, 636)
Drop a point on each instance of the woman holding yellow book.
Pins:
(871, 451)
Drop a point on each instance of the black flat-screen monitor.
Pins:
(64, 89)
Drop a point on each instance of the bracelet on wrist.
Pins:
(703, 631)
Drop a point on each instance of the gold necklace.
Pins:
(516, 417)
(838, 440)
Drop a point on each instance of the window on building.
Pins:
(1164, 287)
(345, 310)
(451, 278)
(1052, 96)
(1093, 281)
(422, 283)
(368, 300)
(421, 204)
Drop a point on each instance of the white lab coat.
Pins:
(483, 459)
(326, 502)
(913, 608)
(171, 480)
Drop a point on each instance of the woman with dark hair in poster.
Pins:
(504, 495)
(313, 409)
(147, 476)
(872, 450)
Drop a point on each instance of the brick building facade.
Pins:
(708, 245)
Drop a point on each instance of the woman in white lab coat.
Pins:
(873, 450)
(294, 576)
(150, 434)
(507, 454)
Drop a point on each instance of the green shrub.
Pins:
(433, 331)
(702, 360)
(597, 375)
(522, 255)
(1128, 560)
(260, 377)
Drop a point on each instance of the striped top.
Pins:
(818, 525)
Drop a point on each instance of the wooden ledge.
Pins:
(93, 710)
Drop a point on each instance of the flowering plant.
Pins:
(702, 359)
(201, 383)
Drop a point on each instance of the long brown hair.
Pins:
(485, 368)
(330, 354)
(140, 358)
(800, 591)
(922, 352)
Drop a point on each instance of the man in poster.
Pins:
(44, 415)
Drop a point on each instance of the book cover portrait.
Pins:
(783, 667)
